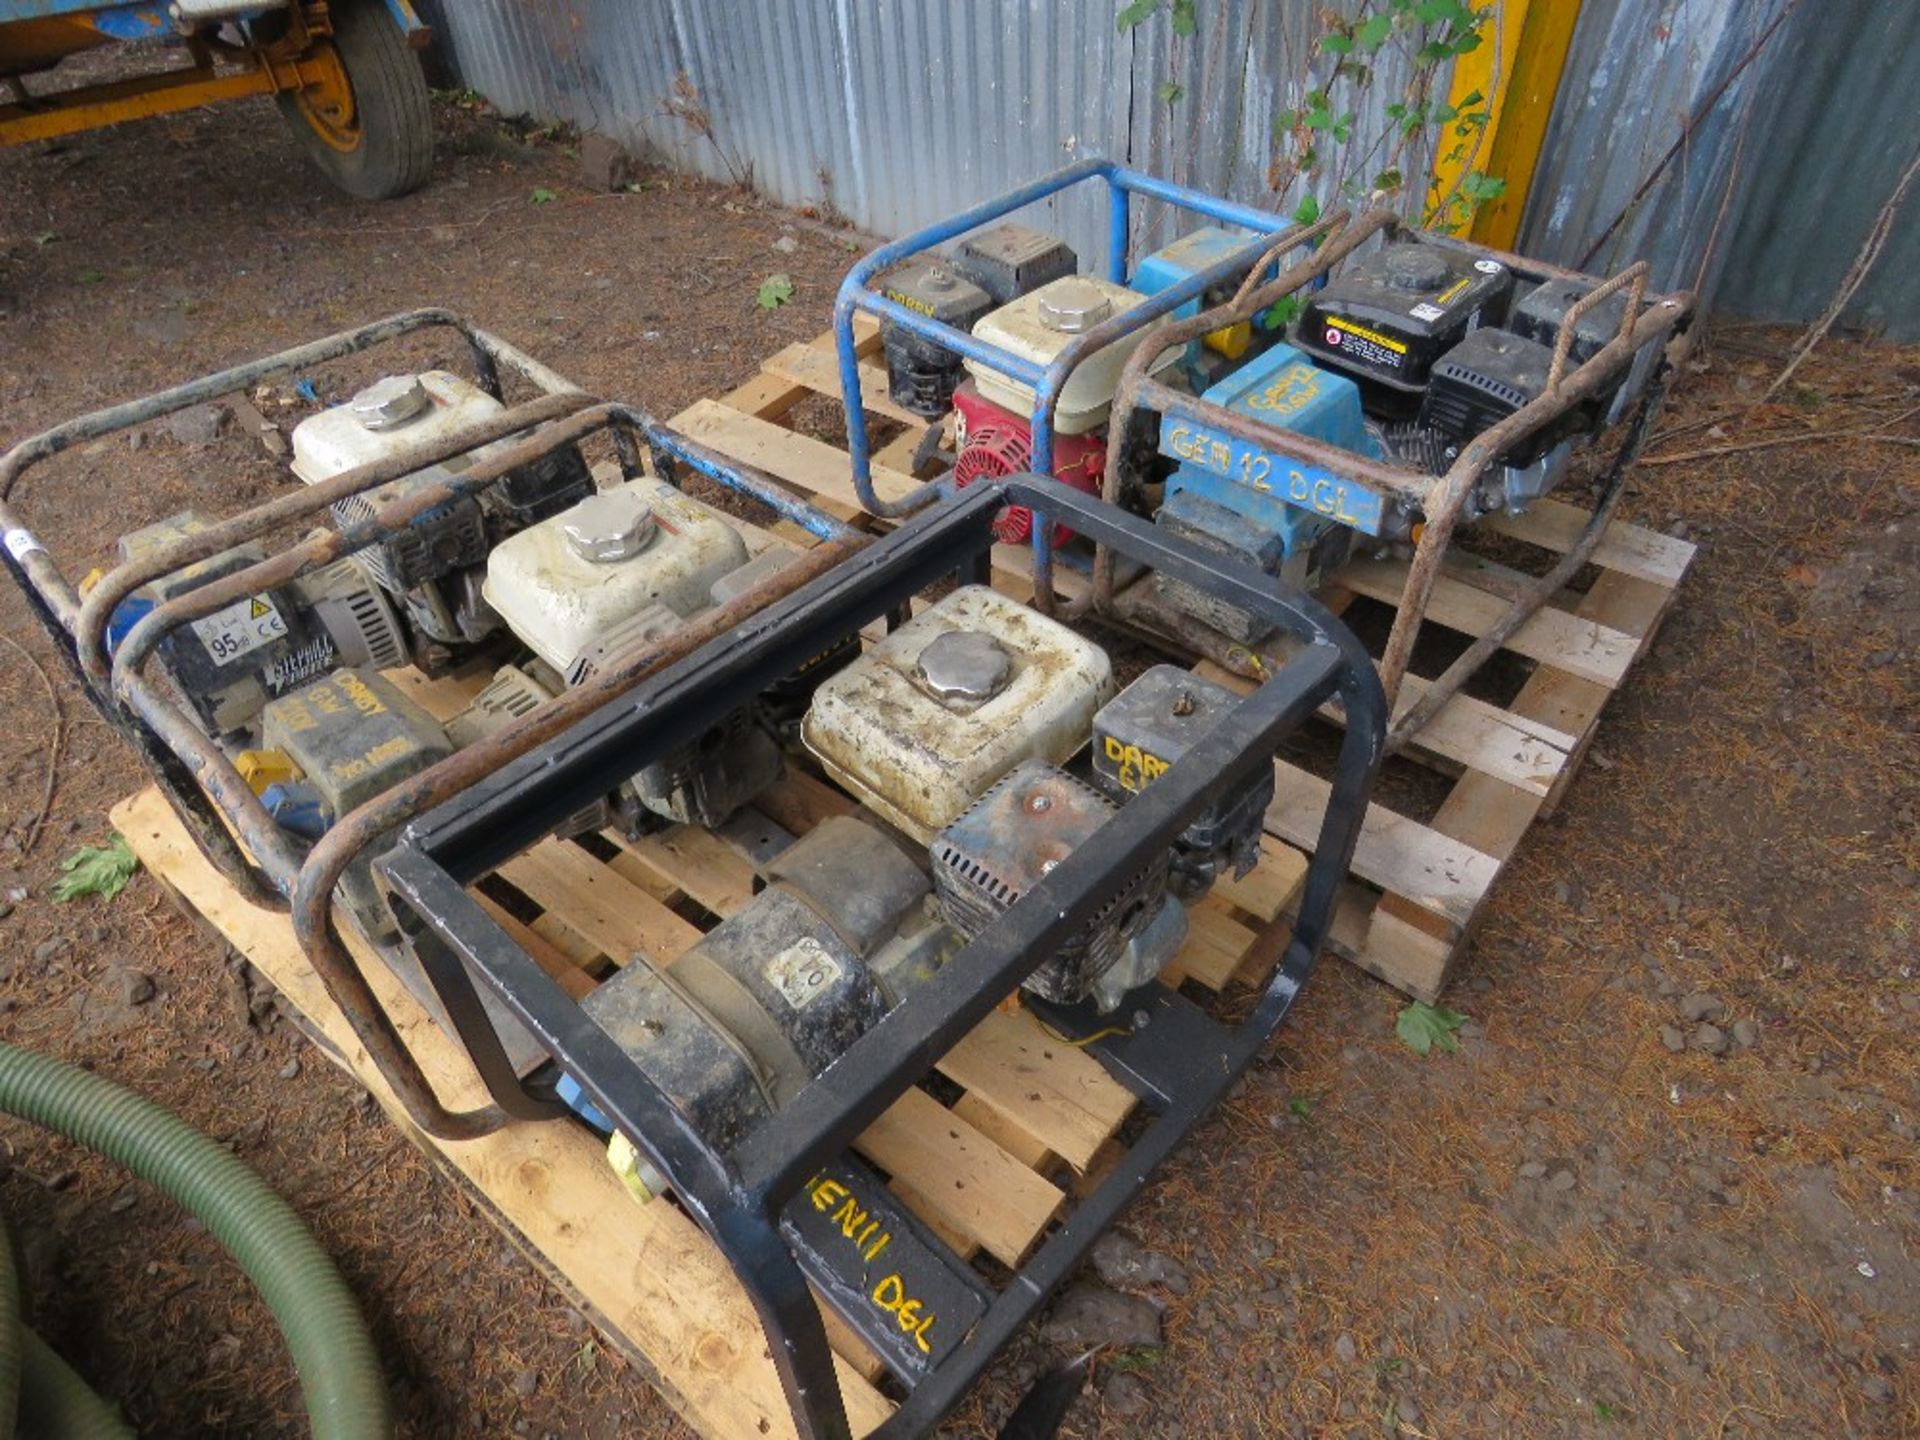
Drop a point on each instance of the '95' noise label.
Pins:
(240, 628)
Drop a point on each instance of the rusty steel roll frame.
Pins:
(1441, 501)
(220, 809)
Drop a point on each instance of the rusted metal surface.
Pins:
(1443, 501)
(1527, 597)
(1634, 279)
(1336, 240)
(225, 816)
(353, 834)
(37, 567)
(90, 630)
(1448, 498)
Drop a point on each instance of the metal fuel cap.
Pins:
(968, 666)
(1072, 306)
(390, 403)
(616, 525)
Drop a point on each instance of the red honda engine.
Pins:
(996, 442)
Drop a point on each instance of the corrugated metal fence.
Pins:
(897, 112)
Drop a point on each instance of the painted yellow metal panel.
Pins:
(1519, 66)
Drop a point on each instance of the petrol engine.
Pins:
(433, 569)
(966, 730)
(994, 434)
(615, 572)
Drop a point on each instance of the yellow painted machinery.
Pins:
(342, 72)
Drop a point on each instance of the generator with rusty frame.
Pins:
(1487, 424)
(1500, 413)
(195, 580)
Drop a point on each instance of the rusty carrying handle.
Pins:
(1448, 496)
(96, 611)
(313, 920)
(28, 556)
(1634, 277)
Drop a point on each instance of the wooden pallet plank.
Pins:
(1436, 872)
(617, 915)
(647, 1270)
(773, 397)
(637, 872)
(569, 942)
(1217, 941)
(968, 1183)
(766, 397)
(819, 371)
(1406, 956)
(1465, 731)
(551, 958)
(899, 452)
(797, 460)
(1493, 820)
(1012, 1138)
(1060, 1096)
(1270, 887)
(699, 863)
(1572, 643)
(1629, 549)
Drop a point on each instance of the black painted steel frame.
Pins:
(1179, 1063)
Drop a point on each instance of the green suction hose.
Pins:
(55, 1401)
(9, 1336)
(346, 1395)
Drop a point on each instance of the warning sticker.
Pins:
(240, 628)
(1424, 311)
(1369, 347)
(21, 542)
(803, 972)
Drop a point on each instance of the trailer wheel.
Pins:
(368, 124)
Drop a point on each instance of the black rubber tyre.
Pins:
(395, 114)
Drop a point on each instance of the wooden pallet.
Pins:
(1021, 1123)
(1418, 886)
(991, 1154)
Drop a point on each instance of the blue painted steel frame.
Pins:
(858, 294)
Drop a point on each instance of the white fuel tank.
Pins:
(564, 583)
(400, 410)
(1039, 325)
(929, 718)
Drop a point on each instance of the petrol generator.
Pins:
(1352, 388)
(1020, 824)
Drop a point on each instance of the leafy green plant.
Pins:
(101, 870)
(1300, 1107)
(1317, 141)
(774, 292)
(542, 195)
(1421, 1026)
(1137, 1357)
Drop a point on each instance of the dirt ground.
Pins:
(1566, 1228)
